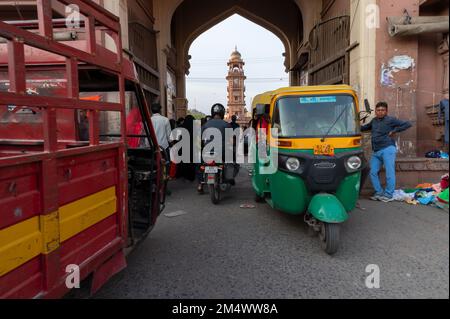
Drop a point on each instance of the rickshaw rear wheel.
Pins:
(214, 193)
(329, 237)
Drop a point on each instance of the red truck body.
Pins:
(66, 201)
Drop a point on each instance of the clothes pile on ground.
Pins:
(426, 194)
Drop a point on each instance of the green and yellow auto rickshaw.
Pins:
(313, 160)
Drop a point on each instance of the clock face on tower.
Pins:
(236, 82)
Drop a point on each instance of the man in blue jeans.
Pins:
(383, 129)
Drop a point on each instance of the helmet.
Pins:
(218, 109)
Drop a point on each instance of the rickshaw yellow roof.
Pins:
(266, 97)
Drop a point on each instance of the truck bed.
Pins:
(35, 249)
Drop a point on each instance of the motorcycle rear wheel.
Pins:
(214, 193)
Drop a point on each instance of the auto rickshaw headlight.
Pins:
(292, 164)
(354, 163)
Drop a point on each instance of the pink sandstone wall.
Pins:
(396, 82)
(430, 85)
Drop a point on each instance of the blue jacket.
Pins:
(381, 128)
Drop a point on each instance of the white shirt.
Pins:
(162, 128)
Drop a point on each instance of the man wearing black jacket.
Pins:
(383, 129)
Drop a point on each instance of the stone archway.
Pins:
(192, 18)
(180, 22)
(251, 17)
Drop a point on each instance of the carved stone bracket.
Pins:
(187, 64)
(171, 55)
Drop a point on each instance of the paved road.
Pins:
(228, 252)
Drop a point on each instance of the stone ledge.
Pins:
(421, 164)
(413, 171)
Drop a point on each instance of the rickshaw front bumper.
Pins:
(319, 175)
(322, 173)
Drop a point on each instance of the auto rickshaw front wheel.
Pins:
(329, 237)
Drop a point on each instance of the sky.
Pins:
(261, 51)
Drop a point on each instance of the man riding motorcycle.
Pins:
(217, 122)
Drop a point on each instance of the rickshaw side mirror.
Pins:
(362, 118)
(367, 105)
(261, 109)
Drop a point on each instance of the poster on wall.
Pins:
(171, 94)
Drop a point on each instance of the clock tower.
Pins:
(236, 89)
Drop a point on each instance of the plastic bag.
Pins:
(400, 195)
(442, 200)
(443, 197)
(426, 200)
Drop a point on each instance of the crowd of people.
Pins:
(189, 170)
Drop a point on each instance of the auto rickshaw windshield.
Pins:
(315, 116)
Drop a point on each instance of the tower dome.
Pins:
(236, 55)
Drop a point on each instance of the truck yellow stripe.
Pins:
(82, 214)
(43, 234)
(19, 243)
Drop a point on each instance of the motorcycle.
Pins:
(218, 177)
